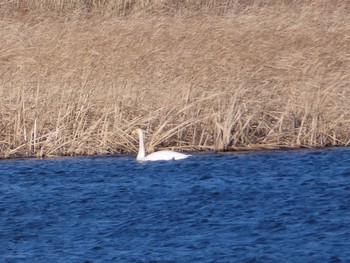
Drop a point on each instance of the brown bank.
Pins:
(77, 77)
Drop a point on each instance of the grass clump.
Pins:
(77, 77)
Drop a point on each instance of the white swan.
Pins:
(156, 156)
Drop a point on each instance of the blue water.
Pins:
(282, 206)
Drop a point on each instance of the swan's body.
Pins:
(156, 156)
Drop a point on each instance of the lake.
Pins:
(277, 206)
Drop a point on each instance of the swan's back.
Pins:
(164, 156)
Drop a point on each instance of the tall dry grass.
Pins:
(76, 77)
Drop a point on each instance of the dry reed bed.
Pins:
(262, 77)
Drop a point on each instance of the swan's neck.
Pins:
(141, 154)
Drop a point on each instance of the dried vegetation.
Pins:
(77, 76)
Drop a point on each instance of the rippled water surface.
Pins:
(283, 206)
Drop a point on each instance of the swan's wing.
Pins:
(165, 156)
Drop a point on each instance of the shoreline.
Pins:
(271, 76)
(241, 151)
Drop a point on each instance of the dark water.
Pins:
(291, 206)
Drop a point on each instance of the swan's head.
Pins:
(137, 132)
